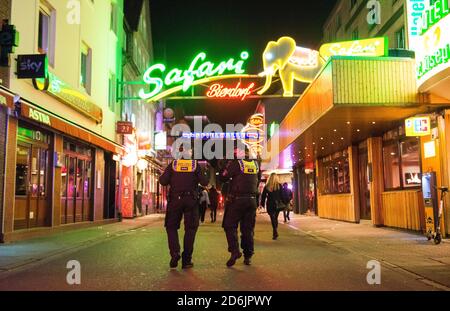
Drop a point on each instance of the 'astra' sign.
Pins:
(199, 71)
(32, 66)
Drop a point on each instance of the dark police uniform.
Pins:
(241, 206)
(183, 176)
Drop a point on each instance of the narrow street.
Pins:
(311, 254)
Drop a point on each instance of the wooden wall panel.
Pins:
(374, 81)
(403, 209)
(338, 207)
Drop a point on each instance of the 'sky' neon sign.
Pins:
(199, 72)
(219, 91)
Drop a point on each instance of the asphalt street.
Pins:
(138, 259)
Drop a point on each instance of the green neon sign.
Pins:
(437, 12)
(198, 70)
(430, 62)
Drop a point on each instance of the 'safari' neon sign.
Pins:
(199, 72)
(219, 91)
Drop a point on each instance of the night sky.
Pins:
(224, 28)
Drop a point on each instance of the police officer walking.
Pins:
(183, 176)
(244, 177)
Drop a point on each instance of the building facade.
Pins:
(349, 21)
(355, 151)
(140, 168)
(60, 133)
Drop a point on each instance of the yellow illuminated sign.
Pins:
(292, 63)
(367, 47)
(420, 126)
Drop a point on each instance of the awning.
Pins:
(351, 99)
(48, 119)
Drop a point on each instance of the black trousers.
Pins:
(203, 207)
(240, 212)
(213, 213)
(286, 215)
(176, 209)
(274, 219)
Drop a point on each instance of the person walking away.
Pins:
(214, 200)
(286, 198)
(183, 176)
(271, 197)
(204, 203)
(240, 210)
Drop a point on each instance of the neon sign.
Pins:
(432, 42)
(368, 47)
(432, 16)
(254, 133)
(198, 72)
(291, 62)
(219, 91)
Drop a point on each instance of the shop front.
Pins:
(349, 129)
(57, 174)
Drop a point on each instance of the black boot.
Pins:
(174, 261)
(187, 264)
(275, 234)
(248, 261)
(232, 261)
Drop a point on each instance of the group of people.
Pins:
(241, 201)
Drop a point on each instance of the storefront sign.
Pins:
(3, 101)
(32, 66)
(368, 47)
(220, 91)
(123, 127)
(438, 11)
(429, 36)
(66, 94)
(39, 116)
(6, 99)
(198, 72)
(420, 126)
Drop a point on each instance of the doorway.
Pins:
(364, 182)
(76, 184)
(109, 209)
(32, 208)
(308, 192)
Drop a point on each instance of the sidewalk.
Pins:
(23, 253)
(410, 252)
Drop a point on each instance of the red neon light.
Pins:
(219, 91)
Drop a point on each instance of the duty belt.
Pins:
(183, 194)
(243, 196)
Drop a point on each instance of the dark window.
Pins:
(400, 38)
(401, 161)
(334, 174)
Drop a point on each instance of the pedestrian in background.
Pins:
(286, 197)
(183, 177)
(204, 203)
(214, 202)
(271, 197)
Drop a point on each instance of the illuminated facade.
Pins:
(140, 168)
(61, 139)
(380, 123)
